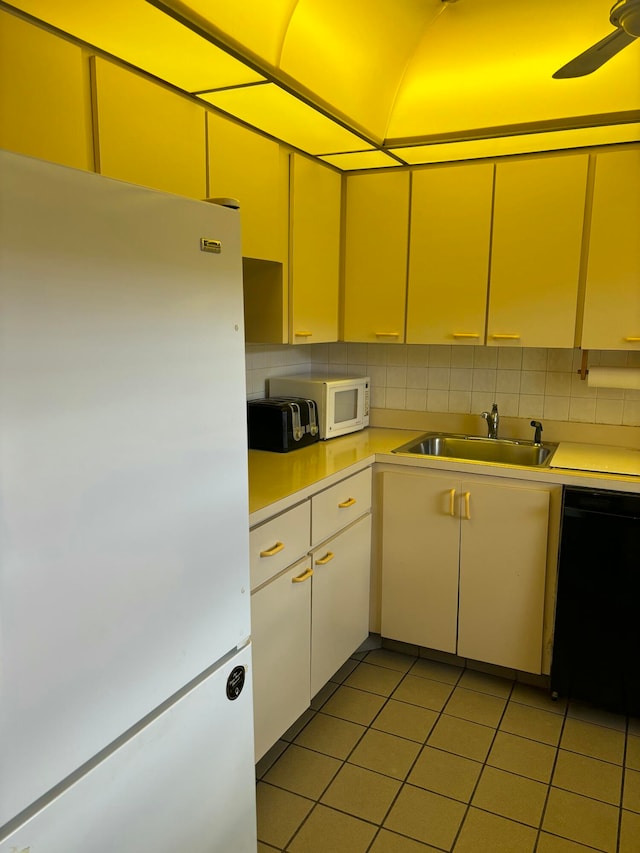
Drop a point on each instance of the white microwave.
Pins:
(342, 401)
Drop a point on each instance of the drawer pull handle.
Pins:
(303, 577)
(467, 505)
(326, 559)
(387, 334)
(466, 335)
(452, 502)
(633, 339)
(506, 337)
(271, 551)
(304, 334)
(347, 503)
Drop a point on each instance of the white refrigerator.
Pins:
(125, 681)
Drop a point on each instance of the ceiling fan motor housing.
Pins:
(626, 15)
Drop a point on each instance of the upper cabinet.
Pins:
(449, 254)
(146, 134)
(315, 252)
(612, 296)
(538, 223)
(377, 235)
(254, 170)
(45, 105)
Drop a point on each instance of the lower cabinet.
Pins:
(281, 626)
(340, 600)
(464, 566)
(309, 600)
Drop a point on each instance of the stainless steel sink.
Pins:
(477, 449)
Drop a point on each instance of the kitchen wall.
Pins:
(527, 383)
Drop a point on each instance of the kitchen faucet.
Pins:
(492, 418)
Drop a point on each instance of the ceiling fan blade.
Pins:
(595, 56)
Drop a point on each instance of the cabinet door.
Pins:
(252, 169)
(612, 298)
(280, 630)
(420, 543)
(44, 95)
(146, 134)
(535, 259)
(449, 254)
(340, 600)
(315, 252)
(503, 551)
(377, 236)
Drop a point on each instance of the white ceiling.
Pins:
(424, 79)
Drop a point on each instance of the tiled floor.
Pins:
(407, 755)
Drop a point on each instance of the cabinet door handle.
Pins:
(303, 334)
(506, 337)
(452, 502)
(466, 335)
(348, 502)
(467, 505)
(387, 334)
(271, 551)
(303, 577)
(633, 339)
(326, 559)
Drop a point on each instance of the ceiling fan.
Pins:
(625, 17)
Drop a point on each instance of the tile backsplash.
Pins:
(526, 383)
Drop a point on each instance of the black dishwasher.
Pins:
(596, 649)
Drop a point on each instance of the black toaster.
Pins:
(282, 424)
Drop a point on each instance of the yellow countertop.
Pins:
(275, 476)
(277, 480)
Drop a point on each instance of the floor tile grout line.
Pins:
(403, 781)
(344, 762)
(484, 764)
(422, 744)
(624, 781)
(550, 782)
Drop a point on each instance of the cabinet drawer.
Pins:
(339, 505)
(279, 542)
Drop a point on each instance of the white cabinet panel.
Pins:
(340, 607)
(503, 556)
(420, 544)
(464, 566)
(281, 626)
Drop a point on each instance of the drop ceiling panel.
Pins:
(137, 32)
(361, 160)
(285, 117)
(524, 144)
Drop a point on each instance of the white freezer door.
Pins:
(124, 569)
(186, 782)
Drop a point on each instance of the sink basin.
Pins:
(476, 449)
